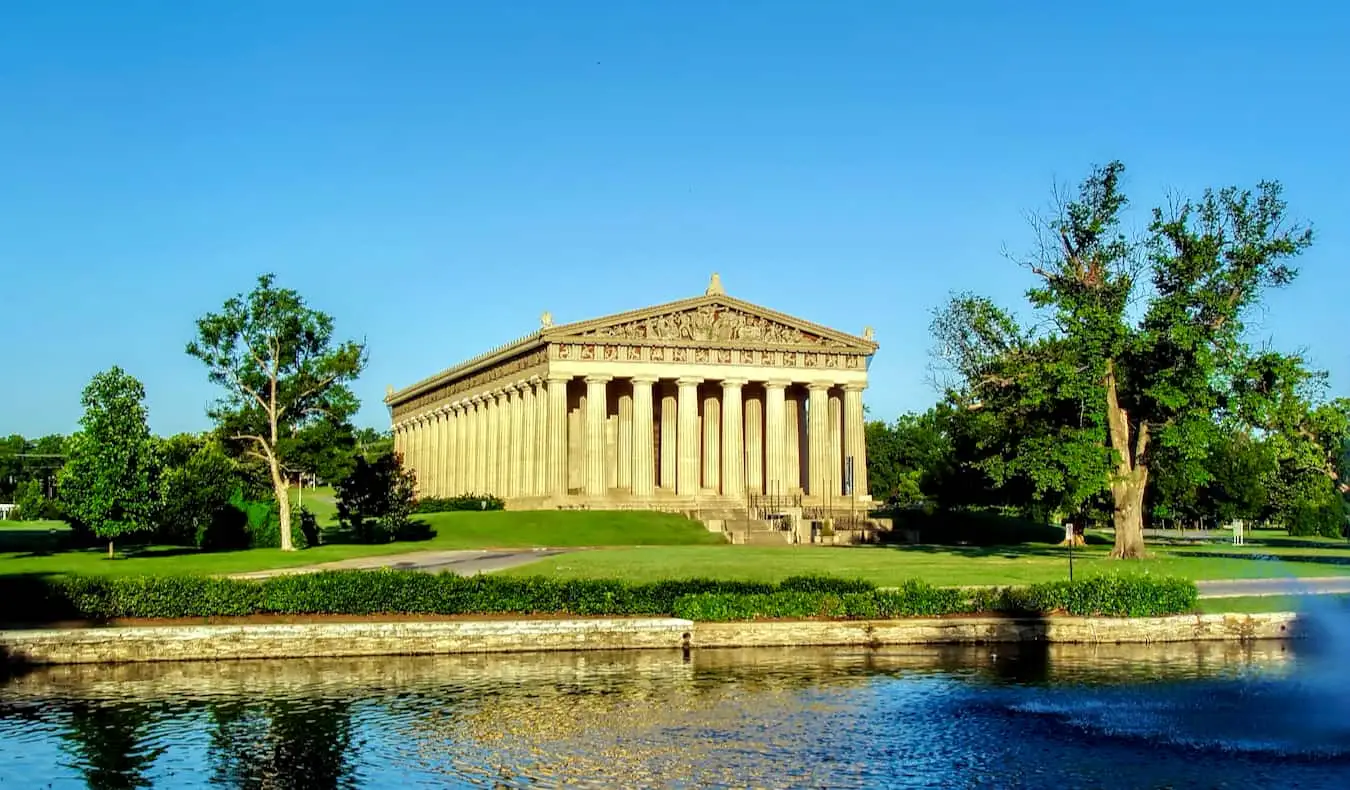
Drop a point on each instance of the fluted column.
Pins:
(794, 427)
(463, 455)
(733, 446)
(624, 443)
(415, 454)
(754, 443)
(557, 436)
(502, 457)
(492, 427)
(443, 453)
(528, 442)
(597, 410)
(518, 446)
(398, 439)
(834, 472)
(644, 471)
(775, 438)
(670, 432)
(712, 441)
(480, 444)
(448, 452)
(855, 438)
(818, 437)
(541, 438)
(452, 453)
(686, 476)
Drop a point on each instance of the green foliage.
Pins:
(1322, 514)
(1115, 596)
(22, 460)
(110, 481)
(309, 526)
(195, 486)
(31, 504)
(1094, 402)
(325, 448)
(375, 500)
(1126, 595)
(461, 502)
(974, 527)
(262, 521)
(411, 592)
(276, 360)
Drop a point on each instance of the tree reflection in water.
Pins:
(285, 743)
(111, 743)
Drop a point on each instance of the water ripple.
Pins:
(1205, 716)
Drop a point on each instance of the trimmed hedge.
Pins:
(48, 599)
(461, 502)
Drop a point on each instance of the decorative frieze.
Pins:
(787, 358)
(505, 370)
(712, 323)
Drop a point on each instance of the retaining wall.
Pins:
(324, 640)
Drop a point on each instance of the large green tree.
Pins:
(1140, 345)
(109, 483)
(281, 371)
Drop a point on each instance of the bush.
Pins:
(1126, 595)
(461, 502)
(29, 501)
(973, 527)
(263, 522)
(49, 599)
(309, 525)
(227, 530)
(374, 501)
(1324, 518)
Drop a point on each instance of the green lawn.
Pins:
(1261, 604)
(941, 565)
(498, 529)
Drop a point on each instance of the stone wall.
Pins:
(320, 639)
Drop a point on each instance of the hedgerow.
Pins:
(50, 599)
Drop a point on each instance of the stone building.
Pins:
(701, 402)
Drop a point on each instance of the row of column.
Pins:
(490, 443)
(514, 441)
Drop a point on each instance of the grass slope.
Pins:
(498, 529)
(940, 565)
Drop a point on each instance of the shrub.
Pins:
(374, 501)
(29, 501)
(227, 530)
(263, 522)
(412, 592)
(461, 502)
(1324, 517)
(974, 527)
(309, 526)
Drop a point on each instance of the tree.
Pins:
(195, 487)
(375, 500)
(109, 482)
(281, 370)
(1100, 394)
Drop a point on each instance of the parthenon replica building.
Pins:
(703, 401)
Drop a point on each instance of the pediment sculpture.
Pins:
(712, 323)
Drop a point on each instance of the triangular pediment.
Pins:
(718, 320)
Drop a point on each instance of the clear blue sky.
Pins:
(436, 174)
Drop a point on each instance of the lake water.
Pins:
(1201, 715)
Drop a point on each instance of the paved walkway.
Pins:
(1232, 588)
(465, 563)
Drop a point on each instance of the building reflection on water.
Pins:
(634, 719)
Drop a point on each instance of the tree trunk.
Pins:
(110, 549)
(1128, 516)
(283, 502)
(1131, 478)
